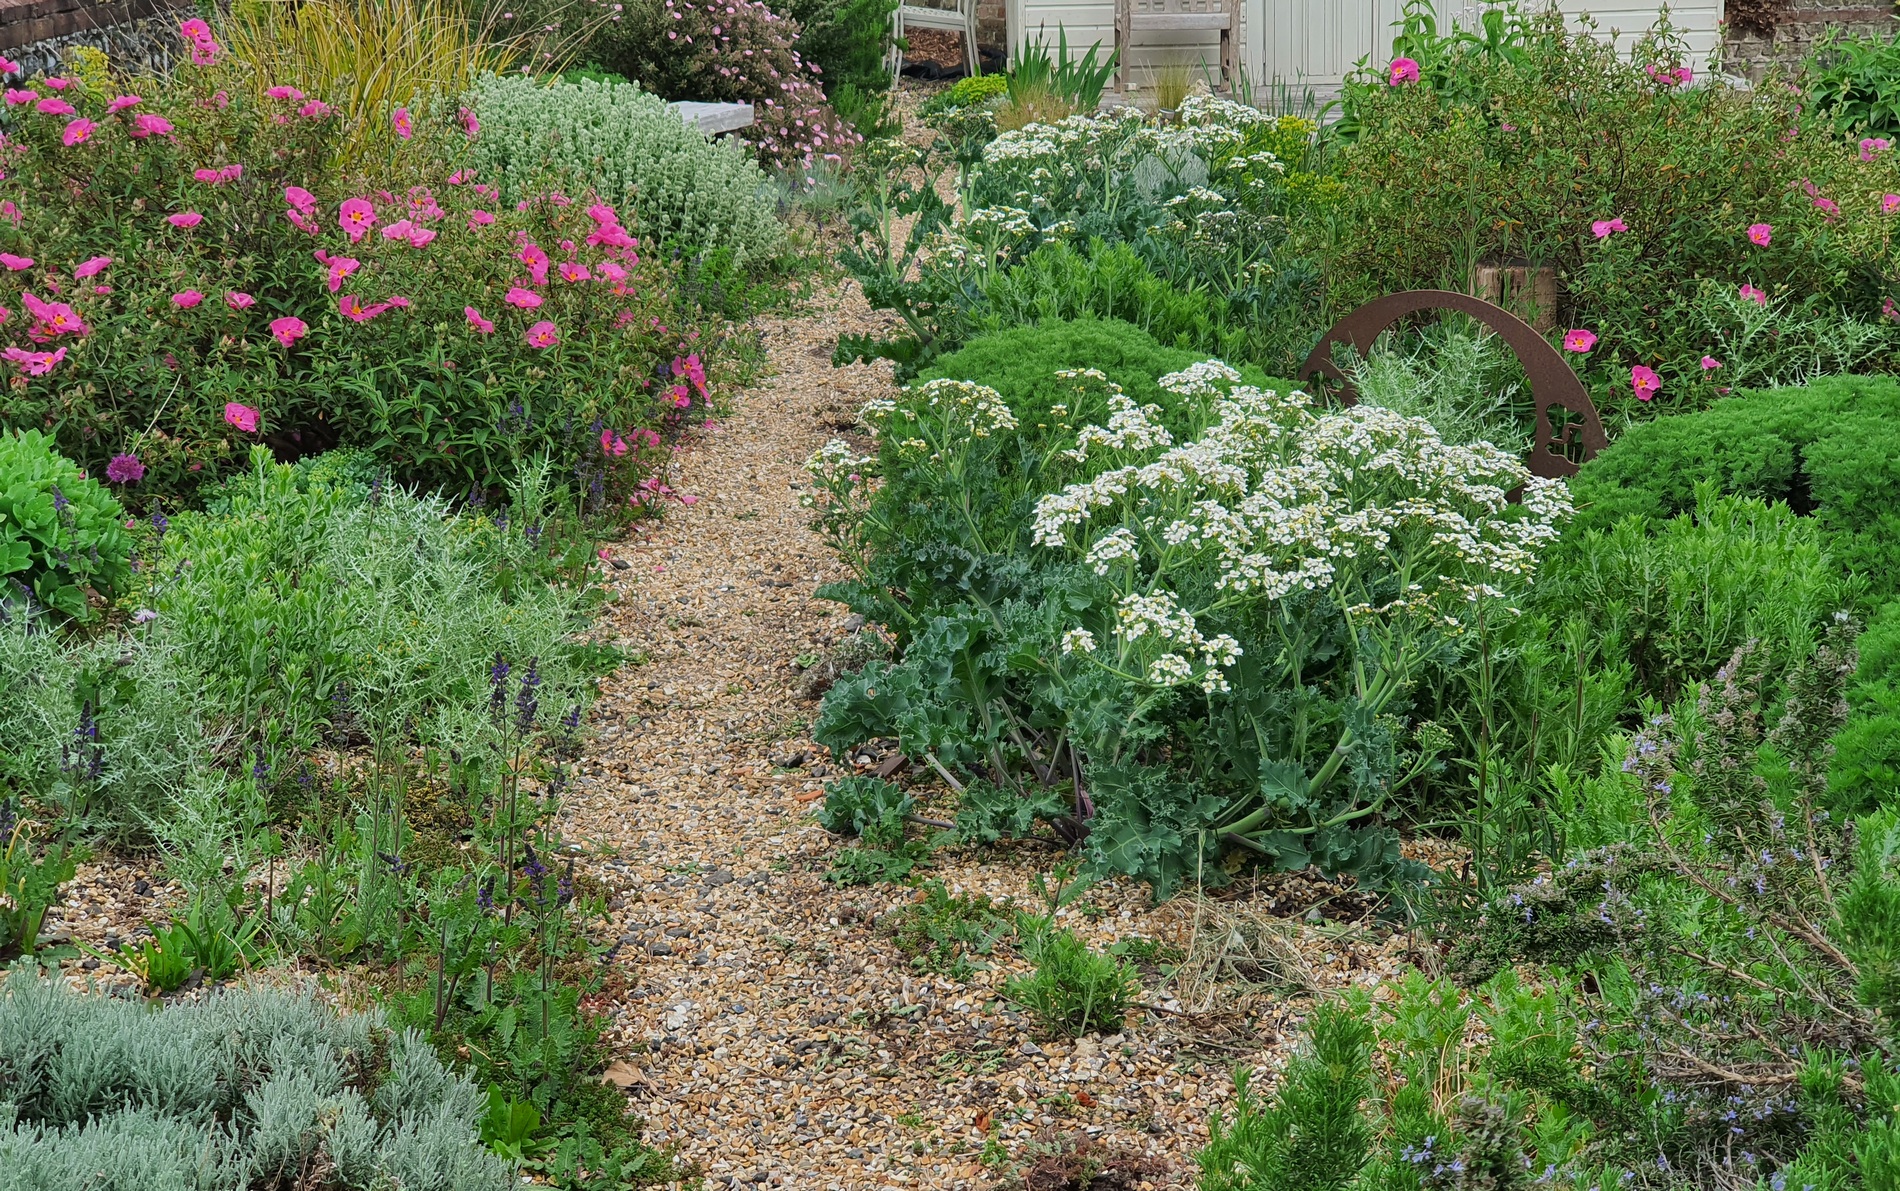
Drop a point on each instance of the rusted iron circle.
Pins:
(1552, 381)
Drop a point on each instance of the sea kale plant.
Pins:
(1180, 651)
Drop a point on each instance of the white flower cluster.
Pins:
(962, 401)
(836, 461)
(1159, 616)
(1278, 498)
(1130, 427)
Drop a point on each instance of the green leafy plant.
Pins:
(943, 931)
(60, 530)
(1075, 990)
(1076, 79)
(1853, 82)
(1314, 1133)
(30, 881)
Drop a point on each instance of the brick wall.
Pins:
(1798, 26)
(992, 24)
(133, 33)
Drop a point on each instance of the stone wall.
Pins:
(1798, 25)
(139, 36)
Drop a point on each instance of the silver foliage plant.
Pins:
(631, 148)
(248, 1088)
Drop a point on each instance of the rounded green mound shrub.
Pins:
(1830, 450)
(59, 529)
(626, 143)
(1020, 363)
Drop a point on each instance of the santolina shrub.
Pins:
(184, 275)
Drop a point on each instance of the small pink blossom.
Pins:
(353, 309)
(286, 330)
(1751, 294)
(356, 216)
(91, 268)
(52, 105)
(1602, 229)
(289, 93)
(121, 103)
(15, 264)
(8, 66)
(526, 299)
(1402, 70)
(241, 416)
(301, 199)
(186, 299)
(479, 218)
(239, 300)
(1645, 382)
(537, 262)
(302, 221)
(185, 219)
(572, 271)
(612, 443)
(1579, 340)
(1759, 234)
(58, 84)
(78, 132)
(1828, 207)
(400, 122)
(35, 363)
(476, 322)
(1889, 203)
(316, 109)
(146, 124)
(470, 125)
(543, 335)
(18, 95)
(1873, 146)
(1710, 363)
(53, 318)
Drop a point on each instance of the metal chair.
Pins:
(959, 17)
(1134, 17)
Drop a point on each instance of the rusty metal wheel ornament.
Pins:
(1558, 447)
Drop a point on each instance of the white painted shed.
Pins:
(1313, 44)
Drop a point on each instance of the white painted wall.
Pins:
(1312, 44)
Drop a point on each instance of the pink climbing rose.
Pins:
(1579, 340)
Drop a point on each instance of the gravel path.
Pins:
(767, 1022)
